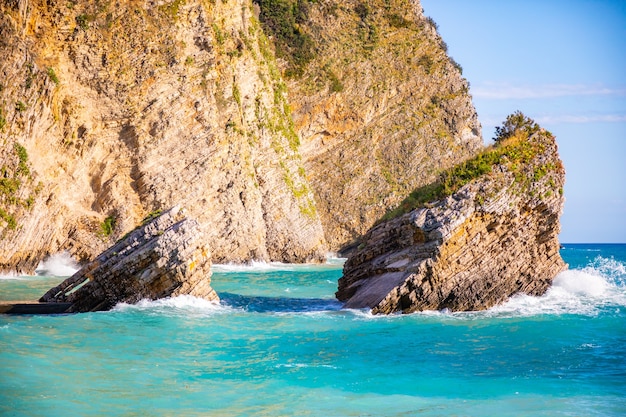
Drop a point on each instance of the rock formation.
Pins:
(109, 111)
(164, 257)
(494, 237)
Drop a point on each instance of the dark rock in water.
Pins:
(495, 237)
(165, 257)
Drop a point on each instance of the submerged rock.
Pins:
(494, 237)
(165, 257)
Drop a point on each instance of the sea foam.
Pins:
(584, 291)
(186, 305)
(261, 266)
(58, 265)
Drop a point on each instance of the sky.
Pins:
(562, 63)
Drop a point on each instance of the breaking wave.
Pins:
(182, 305)
(599, 286)
(58, 265)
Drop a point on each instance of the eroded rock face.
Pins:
(495, 237)
(165, 257)
(117, 110)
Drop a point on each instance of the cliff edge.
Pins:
(490, 233)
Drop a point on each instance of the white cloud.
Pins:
(497, 91)
(568, 118)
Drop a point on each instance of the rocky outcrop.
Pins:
(380, 109)
(494, 237)
(165, 257)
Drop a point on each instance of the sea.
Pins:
(279, 344)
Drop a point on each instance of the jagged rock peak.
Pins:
(164, 257)
(494, 237)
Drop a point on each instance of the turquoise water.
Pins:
(279, 345)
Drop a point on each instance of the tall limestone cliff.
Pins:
(494, 235)
(379, 105)
(111, 110)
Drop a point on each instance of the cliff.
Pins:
(164, 257)
(122, 109)
(379, 105)
(494, 235)
(111, 111)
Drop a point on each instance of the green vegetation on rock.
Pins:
(3, 120)
(53, 75)
(515, 123)
(282, 19)
(514, 152)
(107, 226)
(22, 167)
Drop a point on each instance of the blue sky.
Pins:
(563, 63)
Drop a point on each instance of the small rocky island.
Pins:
(163, 257)
(486, 230)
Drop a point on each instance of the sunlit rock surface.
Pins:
(165, 257)
(495, 237)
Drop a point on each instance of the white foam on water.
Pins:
(333, 259)
(58, 265)
(303, 365)
(184, 304)
(10, 275)
(575, 291)
(262, 266)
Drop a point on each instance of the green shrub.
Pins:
(11, 223)
(397, 21)
(107, 226)
(336, 86)
(362, 10)
(432, 22)
(516, 123)
(20, 106)
(456, 65)
(151, 216)
(82, 21)
(219, 36)
(53, 75)
(282, 19)
(236, 94)
(22, 167)
(3, 120)
(426, 62)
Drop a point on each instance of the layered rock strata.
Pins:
(165, 257)
(493, 238)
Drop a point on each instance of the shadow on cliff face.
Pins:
(264, 304)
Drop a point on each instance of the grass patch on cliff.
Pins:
(514, 152)
(3, 121)
(282, 19)
(108, 226)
